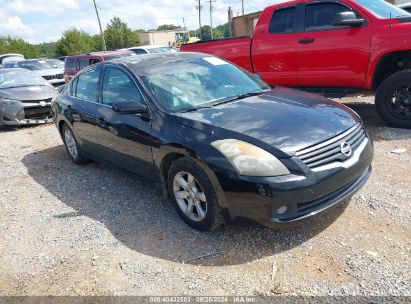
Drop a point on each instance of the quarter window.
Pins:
(87, 85)
(321, 16)
(283, 21)
(119, 87)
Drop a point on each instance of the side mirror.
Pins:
(129, 107)
(61, 88)
(347, 18)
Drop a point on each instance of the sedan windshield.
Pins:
(199, 82)
(34, 65)
(21, 78)
(383, 9)
(55, 63)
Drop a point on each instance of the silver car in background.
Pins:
(54, 76)
(25, 98)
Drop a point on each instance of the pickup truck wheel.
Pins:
(193, 195)
(393, 100)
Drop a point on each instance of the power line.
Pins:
(211, 16)
(99, 24)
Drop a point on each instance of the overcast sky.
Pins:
(45, 20)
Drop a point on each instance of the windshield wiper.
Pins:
(194, 109)
(241, 96)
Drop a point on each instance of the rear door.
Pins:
(82, 109)
(125, 138)
(275, 52)
(332, 56)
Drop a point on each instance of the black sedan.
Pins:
(214, 137)
(25, 98)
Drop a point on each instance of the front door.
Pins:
(332, 56)
(125, 138)
(275, 52)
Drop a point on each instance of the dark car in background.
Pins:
(215, 137)
(74, 64)
(25, 98)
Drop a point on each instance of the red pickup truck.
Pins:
(334, 47)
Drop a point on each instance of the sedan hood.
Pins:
(48, 72)
(284, 119)
(29, 93)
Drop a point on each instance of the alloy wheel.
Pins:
(190, 196)
(401, 102)
(71, 143)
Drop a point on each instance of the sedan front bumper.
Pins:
(295, 197)
(25, 113)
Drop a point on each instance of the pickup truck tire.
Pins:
(393, 100)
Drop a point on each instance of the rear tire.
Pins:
(72, 146)
(393, 100)
(193, 195)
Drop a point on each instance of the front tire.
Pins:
(193, 195)
(72, 146)
(393, 100)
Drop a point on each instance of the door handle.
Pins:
(306, 40)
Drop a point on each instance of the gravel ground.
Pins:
(96, 230)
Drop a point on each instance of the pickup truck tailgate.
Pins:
(236, 50)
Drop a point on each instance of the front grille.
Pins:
(51, 77)
(37, 101)
(37, 112)
(329, 151)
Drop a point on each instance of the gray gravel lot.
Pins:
(97, 230)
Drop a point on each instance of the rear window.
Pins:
(70, 64)
(284, 21)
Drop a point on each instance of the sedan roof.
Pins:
(136, 62)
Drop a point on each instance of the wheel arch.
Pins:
(173, 153)
(389, 64)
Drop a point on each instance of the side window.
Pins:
(284, 21)
(139, 51)
(119, 87)
(320, 16)
(70, 64)
(87, 85)
(93, 61)
(83, 63)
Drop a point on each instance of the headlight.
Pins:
(8, 101)
(250, 160)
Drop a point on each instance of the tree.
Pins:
(118, 35)
(20, 46)
(74, 41)
(224, 29)
(168, 27)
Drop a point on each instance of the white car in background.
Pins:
(54, 76)
(10, 58)
(150, 49)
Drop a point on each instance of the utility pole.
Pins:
(242, 6)
(99, 24)
(211, 17)
(199, 17)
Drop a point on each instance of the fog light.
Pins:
(282, 210)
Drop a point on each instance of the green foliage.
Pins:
(19, 46)
(221, 31)
(74, 41)
(118, 35)
(47, 49)
(168, 27)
